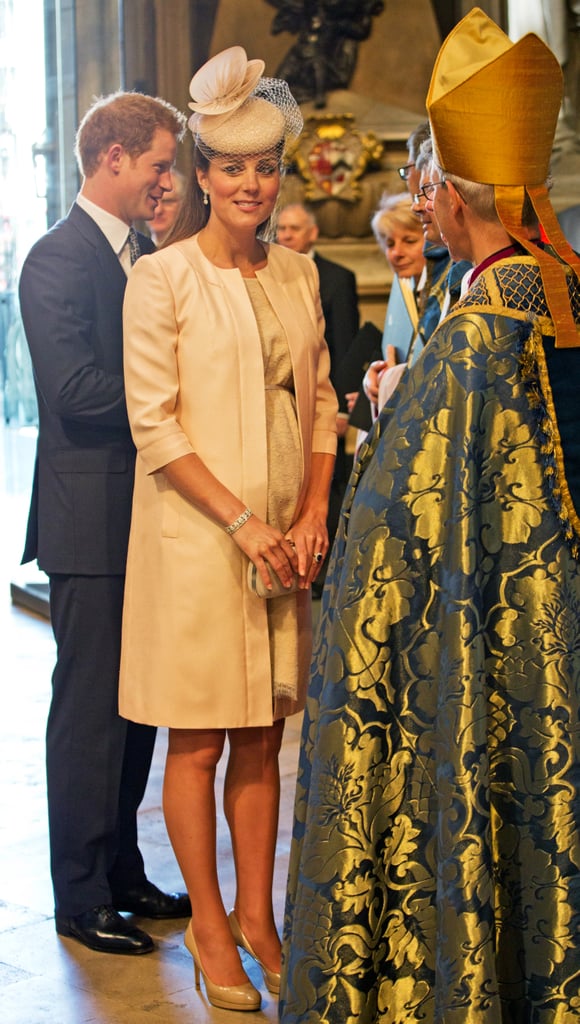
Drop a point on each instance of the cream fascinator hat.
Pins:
(493, 107)
(237, 111)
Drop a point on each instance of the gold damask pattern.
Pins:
(435, 866)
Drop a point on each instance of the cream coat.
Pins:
(195, 640)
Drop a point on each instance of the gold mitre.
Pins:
(493, 107)
(494, 104)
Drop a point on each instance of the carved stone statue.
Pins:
(324, 55)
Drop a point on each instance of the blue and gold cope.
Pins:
(434, 871)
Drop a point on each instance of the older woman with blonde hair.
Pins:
(234, 419)
(399, 234)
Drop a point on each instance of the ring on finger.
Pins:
(317, 557)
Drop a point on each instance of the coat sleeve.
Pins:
(151, 367)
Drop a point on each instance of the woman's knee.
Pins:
(201, 748)
(258, 744)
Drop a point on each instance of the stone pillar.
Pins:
(98, 50)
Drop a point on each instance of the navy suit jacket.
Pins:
(71, 296)
(339, 300)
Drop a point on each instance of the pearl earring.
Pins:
(205, 198)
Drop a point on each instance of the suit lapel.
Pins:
(105, 255)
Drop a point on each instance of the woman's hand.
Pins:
(371, 380)
(264, 545)
(341, 425)
(351, 399)
(308, 534)
(309, 539)
(268, 549)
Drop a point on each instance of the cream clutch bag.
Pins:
(256, 584)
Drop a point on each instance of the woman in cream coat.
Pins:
(234, 420)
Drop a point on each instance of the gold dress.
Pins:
(435, 864)
(284, 478)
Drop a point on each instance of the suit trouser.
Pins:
(97, 762)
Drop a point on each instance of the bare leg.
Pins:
(190, 816)
(251, 804)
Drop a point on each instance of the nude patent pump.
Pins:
(271, 978)
(226, 997)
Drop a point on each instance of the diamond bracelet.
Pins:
(243, 518)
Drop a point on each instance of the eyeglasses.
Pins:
(426, 191)
(404, 171)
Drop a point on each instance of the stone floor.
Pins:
(45, 979)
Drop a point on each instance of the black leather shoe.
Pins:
(146, 900)
(103, 929)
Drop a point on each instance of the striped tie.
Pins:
(134, 250)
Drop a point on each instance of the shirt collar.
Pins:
(115, 230)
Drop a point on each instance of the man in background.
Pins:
(71, 295)
(167, 209)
